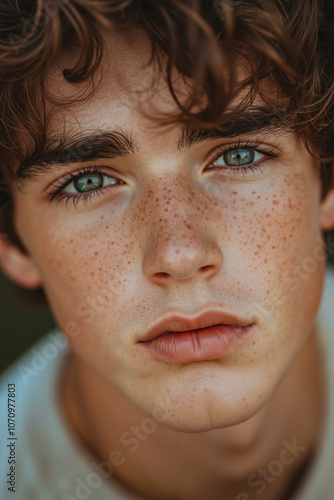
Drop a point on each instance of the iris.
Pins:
(87, 183)
(236, 157)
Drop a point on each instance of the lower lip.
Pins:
(204, 344)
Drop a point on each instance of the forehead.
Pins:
(126, 85)
(130, 87)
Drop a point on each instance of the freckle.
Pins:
(275, 202)
(253, 343)
(234, 192)
(260, 397)
(96, 253)
(258, 197)
(102, 217)
(107, 227)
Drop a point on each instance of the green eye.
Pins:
(237, 157)
(88, 182)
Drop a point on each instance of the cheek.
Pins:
(278, 225)
(87, 270)
(279, 246)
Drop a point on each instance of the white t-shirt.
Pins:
(49, 463)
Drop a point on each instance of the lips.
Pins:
(178, 323)
(209, 336)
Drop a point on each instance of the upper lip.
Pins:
(180, 323)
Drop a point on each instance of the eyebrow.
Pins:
(87, 147)
(260, 119)
(78, 148)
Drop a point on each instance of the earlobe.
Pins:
(327, 208)
(18, 266)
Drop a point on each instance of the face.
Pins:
(120, 242)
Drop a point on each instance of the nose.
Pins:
(180, 249)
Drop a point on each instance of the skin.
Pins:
(178, 236)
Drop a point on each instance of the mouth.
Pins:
(209, 336)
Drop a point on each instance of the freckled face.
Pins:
(171, 230)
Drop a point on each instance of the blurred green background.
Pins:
(24, 318)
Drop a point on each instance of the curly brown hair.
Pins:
(288, 42)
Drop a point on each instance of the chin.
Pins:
(205, 411)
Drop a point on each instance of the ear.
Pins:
(18, 265)
(327, 207)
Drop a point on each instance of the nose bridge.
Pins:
(174, 210)
(178, 245)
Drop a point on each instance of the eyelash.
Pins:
(57, 195)
(270, 152)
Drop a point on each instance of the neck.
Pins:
(247, 457)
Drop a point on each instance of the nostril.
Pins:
(161, 275)
(205, 269)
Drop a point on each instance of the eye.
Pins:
(245, 160)
(238, 157)
(83, 186)
(89, 182)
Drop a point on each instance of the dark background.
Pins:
(24, 318)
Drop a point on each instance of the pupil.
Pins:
(236, 157)
(88, 182)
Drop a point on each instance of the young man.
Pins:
(171, 204)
